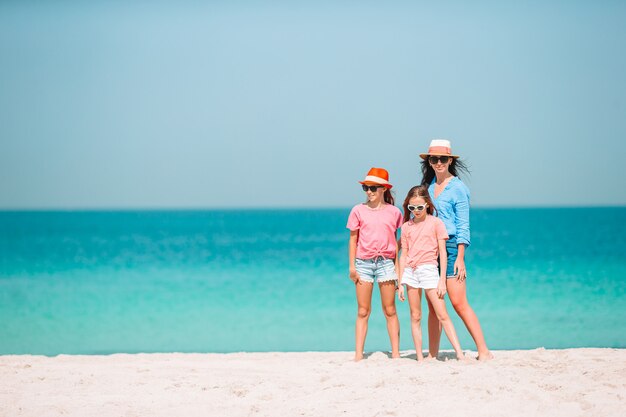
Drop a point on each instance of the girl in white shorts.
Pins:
(423, 241)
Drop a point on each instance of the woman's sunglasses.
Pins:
(418, 208)
(434, 159)
(372, 188)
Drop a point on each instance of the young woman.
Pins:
(423, 240)
(373, 253)
(451, 199)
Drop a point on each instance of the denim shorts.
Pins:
(423, 276)
(380, 269)
(452, 250)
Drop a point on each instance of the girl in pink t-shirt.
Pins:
(423, 243)
(373, 253)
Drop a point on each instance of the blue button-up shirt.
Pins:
(452, 206)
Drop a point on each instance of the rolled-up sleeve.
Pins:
(461, 218)
(404, 244)
(354, 220)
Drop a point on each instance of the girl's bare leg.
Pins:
(364, 302)
(439, 305)
(434, 331)
(415, 303)
(388, 301)
(458, 298)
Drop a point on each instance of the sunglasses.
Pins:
(372, 188)
(418, 208)
(434, 159)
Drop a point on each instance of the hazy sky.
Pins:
(272, 104)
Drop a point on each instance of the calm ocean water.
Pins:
(276, 280)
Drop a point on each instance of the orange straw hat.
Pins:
(377, 176)
(439, 147)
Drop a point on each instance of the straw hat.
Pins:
(377, 176)
(439, 147)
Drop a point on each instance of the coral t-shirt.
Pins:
(420, 240)
(377, 230)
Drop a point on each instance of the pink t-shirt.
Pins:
(377, 230)
(420, 240)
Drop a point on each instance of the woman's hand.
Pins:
(441, 288)
(400, 292)
(354, 276)
(459, 269)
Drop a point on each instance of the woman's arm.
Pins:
(443, 262)
(459, 264)
(354, 237)
(462, 217)
(462, 223)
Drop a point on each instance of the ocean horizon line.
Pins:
(276, 208)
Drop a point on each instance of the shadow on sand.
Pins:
(443, 356)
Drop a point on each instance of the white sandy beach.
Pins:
(571, 382)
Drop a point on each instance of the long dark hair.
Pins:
(456, 166)
(418, 191)
(388, 197)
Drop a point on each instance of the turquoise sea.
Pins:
(98, 282)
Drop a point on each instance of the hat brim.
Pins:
(388, 186)
(426, 155)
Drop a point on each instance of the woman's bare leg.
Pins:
(439, 305)
(388, 301)
(458, 298)
(364, 302)
(415, 303)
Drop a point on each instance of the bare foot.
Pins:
(430, 358)
(395, 355)
(358, 357)
(485, 356)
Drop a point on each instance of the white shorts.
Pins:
(424, 276)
